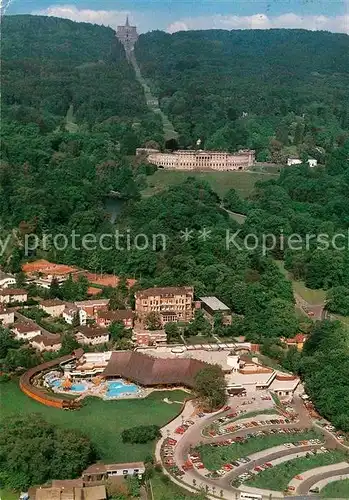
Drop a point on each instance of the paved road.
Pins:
(304, 488)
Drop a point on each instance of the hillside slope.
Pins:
(50, 64)
(206, 80)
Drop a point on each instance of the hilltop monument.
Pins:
(127, 35)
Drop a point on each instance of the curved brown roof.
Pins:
(149, 371)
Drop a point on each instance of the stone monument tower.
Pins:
(127, 35)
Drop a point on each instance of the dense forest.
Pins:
(276, 91)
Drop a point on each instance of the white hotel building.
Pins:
(204, 160)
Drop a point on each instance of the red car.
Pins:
(227, 408)
(180, 430)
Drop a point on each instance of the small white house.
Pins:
(50, 343)
(6, 280)
(293, 161)
(92, 335)
(71, 311)
(297, 161)
(26, 331)
(54, 307)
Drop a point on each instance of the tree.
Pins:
(210, 387)
(141, 434)
(33, 452)
(118, 331)
(55, 291)
(76, 320)
(21, 279)
(153, 321)
(199, 325)
(172, 331)
(69, 344)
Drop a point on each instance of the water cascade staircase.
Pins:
(152, 102)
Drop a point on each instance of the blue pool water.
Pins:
(75, 387)
(118, 388)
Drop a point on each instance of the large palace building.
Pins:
(204, 160)
(172, 303)
(127, 35)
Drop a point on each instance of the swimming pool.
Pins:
(74, 388)
(119, 388)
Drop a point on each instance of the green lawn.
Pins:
(164, 489)
(214, 457)
(8, 495)
(220, 182)
(102, 421)
(337, 489)
(279, 476)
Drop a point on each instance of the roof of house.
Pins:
(148, 371)
(298, 339)
(71, 493)
(13, 291)
(214, 303)
(67, 483)
(92, 302)
(91, 332)
(5, 310)
(26, 327)
(166, 291)
(51, 303)
(5, 276)
(127, 465)
(118, 315)
(47, 340)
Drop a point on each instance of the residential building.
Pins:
(312, 162)
(173, 304)
(26, 331)
(93, 306)
(212, 306)
(204, 160)
(143, 338)
(10, 295)
(7, 316)
(54, 307)
(71, 311)
(293, 161)
(296, 341)
(51, 342)
(125, 316)
(101, 472)
(6, 280)
(92, 335)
